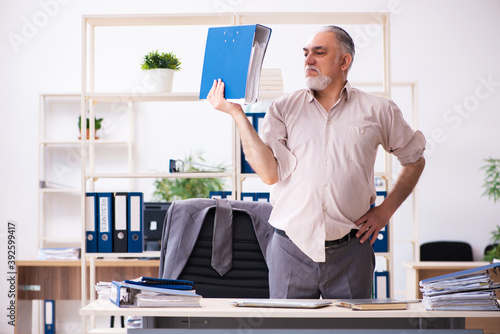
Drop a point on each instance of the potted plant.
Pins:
(160, 68)
(184, 188)
(492, 191)
(97, 126)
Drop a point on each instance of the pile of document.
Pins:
(476, 289)
(154, 292)
(59, 253)
(271, 80)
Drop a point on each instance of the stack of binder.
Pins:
(475, 289)
(154, 292)
(114, 222)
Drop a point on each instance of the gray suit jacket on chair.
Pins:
(185, 219)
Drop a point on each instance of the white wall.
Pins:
(450, 48)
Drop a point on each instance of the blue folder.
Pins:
(381, 245)
(49, 316)
(229, 56)
(105, 222)
(91, 219)
(135, 222)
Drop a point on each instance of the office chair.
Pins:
(446, 251)
(248, 277)
(187, 250)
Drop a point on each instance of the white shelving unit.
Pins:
(60, 152)
(91, 25)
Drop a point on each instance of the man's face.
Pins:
(321, 56)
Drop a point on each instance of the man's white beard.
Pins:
(318, 82)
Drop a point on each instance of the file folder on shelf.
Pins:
(381, 245)
(49, 316)
(105, 222)
(91, 219)
(262, 197)
(235, 54)
(135, 222)
(248, 197)
(381, 284)
(120, 235)
(245, 166)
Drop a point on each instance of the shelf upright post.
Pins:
(83, 166)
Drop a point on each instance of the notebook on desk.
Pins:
(286, 303)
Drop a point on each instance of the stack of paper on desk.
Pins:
(471, 289)
(130, 294)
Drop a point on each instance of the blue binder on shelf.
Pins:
(220, 194)
(135, 222)
(258, 119)
(91, 219)
(381, 245)
(245, 166)
(262, 197)
(120, 234)
(235, 55)
(49, 309)
(105, 223)
(381, 284)
(248, 197)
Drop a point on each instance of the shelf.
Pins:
(108, 331)
(163, 97)
(158, 175)
(60, 190)
(78, 142)
(123, 255)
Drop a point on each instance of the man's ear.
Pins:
(345, 61)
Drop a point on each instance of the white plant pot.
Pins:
(159, 80)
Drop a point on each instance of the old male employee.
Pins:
(319, 147)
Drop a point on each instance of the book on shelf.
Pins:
(373, 304)
(235, 55)
(472, 289)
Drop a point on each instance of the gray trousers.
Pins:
(346, 273)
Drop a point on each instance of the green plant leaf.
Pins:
(492, 179)
(177, 189)
(154, 59)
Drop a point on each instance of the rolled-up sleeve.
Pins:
(274, 135)
(401, 140)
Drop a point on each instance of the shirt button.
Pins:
(324, 208)
(325, 184)
(328, 141)
(329, 122)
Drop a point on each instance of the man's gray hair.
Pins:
(346, 44)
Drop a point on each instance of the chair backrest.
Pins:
(446, 251)
(248, 277)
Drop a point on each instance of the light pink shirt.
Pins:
(326, 161)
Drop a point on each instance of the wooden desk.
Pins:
(219, 313)
(417, 271)
(61, 279)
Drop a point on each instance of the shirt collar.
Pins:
(346, 90)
